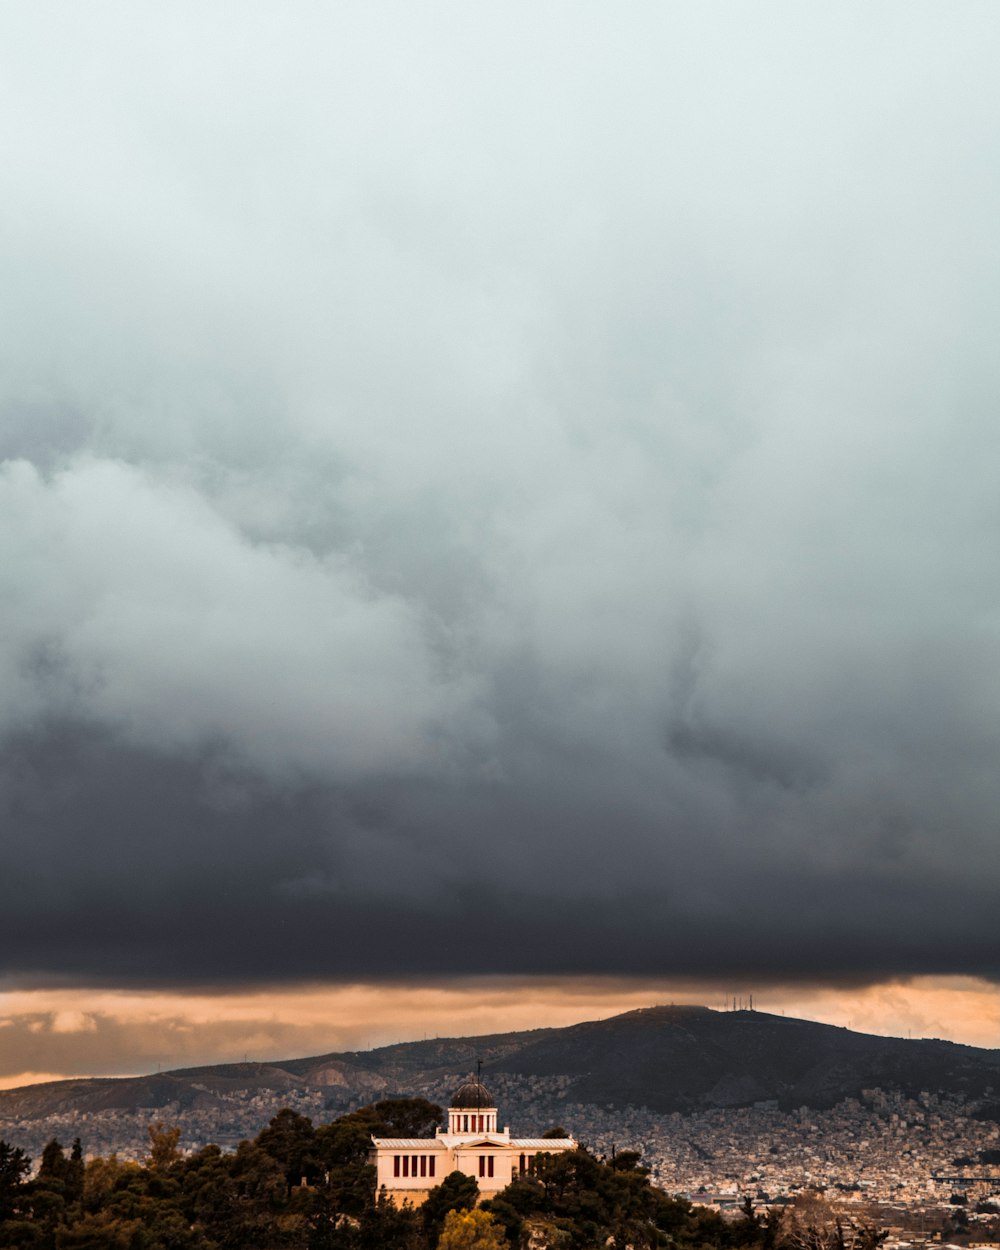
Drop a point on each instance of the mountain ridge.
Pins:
(666, 1058)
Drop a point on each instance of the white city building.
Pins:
(409, 1167)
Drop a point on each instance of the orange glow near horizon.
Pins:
(53, 1034)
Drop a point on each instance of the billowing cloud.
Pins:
(500, 493)
(137, 605)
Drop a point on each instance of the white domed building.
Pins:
(409, 1167)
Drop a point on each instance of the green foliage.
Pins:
(253, 1199)
(386, 1227)
(22, 1234)
(628, 1161)
(74, 1172)
(290, 1140)
(342, 1148)
(14, 1166)
(163, 1145)
(395, 1117)
(457, 1192)
(471, 1230)
(209, 1194)
(102, 1231)
(507, 1216)
(581, 1201)
(259, 1177)
(100, 1177)
(53, 1162)
(403, 1117)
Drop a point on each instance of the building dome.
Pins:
(471, 1093)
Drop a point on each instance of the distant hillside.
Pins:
(665, 1058)
(690, 1058)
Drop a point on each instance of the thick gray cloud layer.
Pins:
(499, 490)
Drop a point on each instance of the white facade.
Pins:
(409, 1167)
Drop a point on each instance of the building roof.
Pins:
(472, 1093)
(486, 1139)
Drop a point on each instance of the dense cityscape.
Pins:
(914, 1162)
(885, 1147)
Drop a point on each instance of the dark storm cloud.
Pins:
(132, 869)
(513, 494)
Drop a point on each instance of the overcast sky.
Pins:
(504, 490)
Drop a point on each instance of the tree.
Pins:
(74, 1172)
(100, 1178)
(813, 1223)
(54, 1163)
(471, 1230)
(14, 1166)
(102, 1231)
(747, 1230)
(628, 1161)
(507, 1216)
(396, 1117)
(22, 1235)
(163, 1149)
(290, 1140)
(457, 1192)
(576, 1198)
(341, 1150)
(404, 1117)
(259, 1177)
(869, 1236)
(209, 1194)
(384, 1226)
(350, 1179)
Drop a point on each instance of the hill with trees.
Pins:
(298, 1186)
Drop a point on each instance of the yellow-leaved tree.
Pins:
(471, 1230)
(163, 1148)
